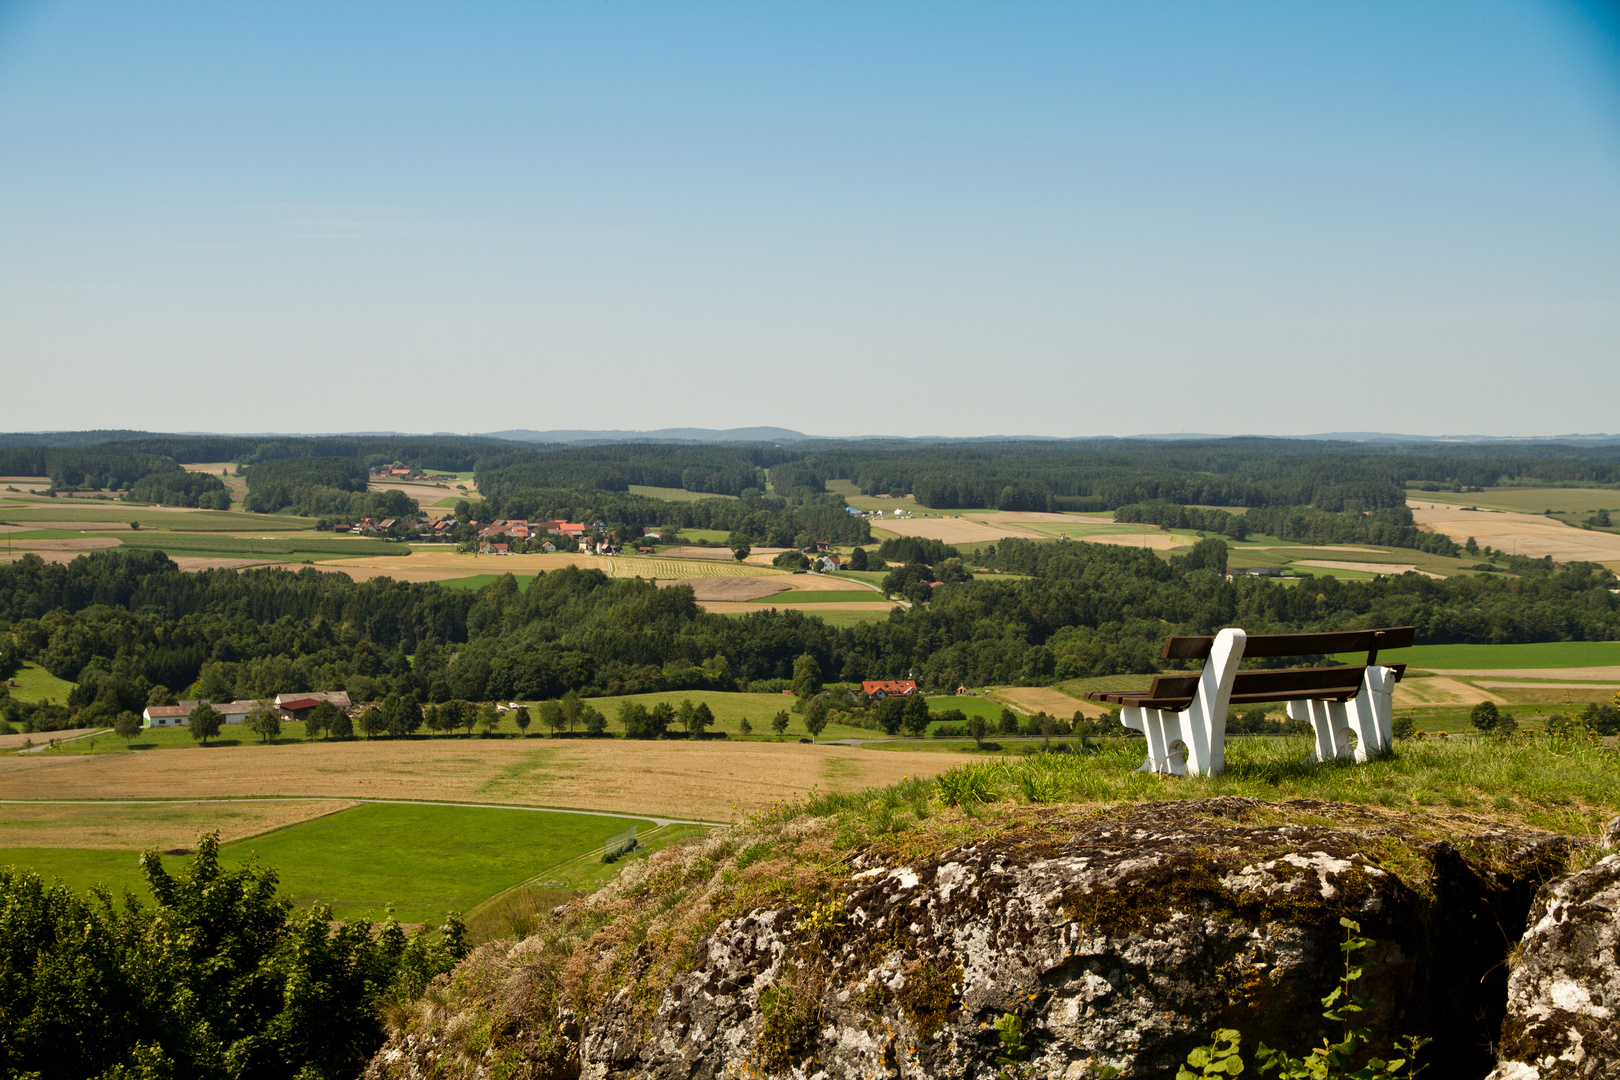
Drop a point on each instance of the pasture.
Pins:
(304, 547)
(424, 860)
(34, 683)
(1528, 500)
(1472, 658)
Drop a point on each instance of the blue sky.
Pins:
(1052, 219)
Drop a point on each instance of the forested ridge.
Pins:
(124, 623)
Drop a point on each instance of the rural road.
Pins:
(659, 821)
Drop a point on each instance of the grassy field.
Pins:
(425, 860)
(674, 494)
(972, 706)
(517, 911)
(478, 581)
(1529, 500)
(839, 618)
(34, 683)
(173, 520)
(713, 536)
(1557, 654)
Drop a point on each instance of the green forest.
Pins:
(128, 625)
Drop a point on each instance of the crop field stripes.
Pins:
(660, 822)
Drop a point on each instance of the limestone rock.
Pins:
(1563, 1014)
(1117, 938)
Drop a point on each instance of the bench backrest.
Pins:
(1265, 645)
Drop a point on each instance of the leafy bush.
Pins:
(217, 978)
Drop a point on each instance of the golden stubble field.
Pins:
(1522, 534)
(114, 826)
(709, 781)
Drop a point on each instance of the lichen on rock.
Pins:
(1563, 1010)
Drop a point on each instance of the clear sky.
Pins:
(846, 218)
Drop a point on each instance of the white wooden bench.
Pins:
(1183, 717)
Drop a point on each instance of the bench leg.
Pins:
(1329, 723)
(1370, 713)
(1160, 729)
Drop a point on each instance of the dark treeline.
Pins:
(1248, 472)
(320, 486)
(130, 623)
(1391, 526)
(115, 467)
(717, 470)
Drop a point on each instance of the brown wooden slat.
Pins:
(1295, 684)
(1262, 645)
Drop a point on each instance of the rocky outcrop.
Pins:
(1563, 1010)
(1118, 938)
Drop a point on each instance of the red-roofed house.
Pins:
(882, 688)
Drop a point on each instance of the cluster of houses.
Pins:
(878, 689)
(518, 529)
(291, 706)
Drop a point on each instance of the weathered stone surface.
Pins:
(1120, 938)
(1563, 1018)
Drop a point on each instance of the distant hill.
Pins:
(664, 435)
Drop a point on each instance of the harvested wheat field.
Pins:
(718, 554)
(1438, 690)
(710, 780)
(1156, 541)
(12, 742)
(1366, 567)
(954, 530)
(48, 556)
(1033, 699)
(652, 566)
(138, 827)
(442, 562)
(727, 607)
(1522, 534)
(730, 588)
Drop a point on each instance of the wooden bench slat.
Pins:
(1324, 644)
(1175, 692)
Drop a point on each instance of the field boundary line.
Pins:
(660, 822)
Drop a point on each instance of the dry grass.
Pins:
(1440, 691)
(736, 590)
(15, 742)
(165, 826)
(711, 780)
(1034, 699)
(1156, 541)
(954, 530)
(82, 543)
(716, 554)
(1523, 534)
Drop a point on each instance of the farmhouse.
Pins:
(882, 688)
(340, 698)
(233, 712)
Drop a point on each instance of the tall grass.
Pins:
(1568, 786)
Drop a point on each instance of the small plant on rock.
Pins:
(1331, 1060)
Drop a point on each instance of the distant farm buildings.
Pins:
(883, 688)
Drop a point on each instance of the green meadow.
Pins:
(425, 860)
